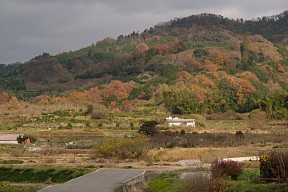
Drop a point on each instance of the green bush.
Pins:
(239, 134)
(61, 113)
(123, 148)
(149, 128)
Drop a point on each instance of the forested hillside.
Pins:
(199, 64)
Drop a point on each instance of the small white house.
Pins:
(8, 138)
(180, 122)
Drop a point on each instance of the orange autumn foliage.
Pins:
(42, 99)
(221, 59)
(220, 74)
(280, 68)
(199, 92)
(126, 105)
(115, 88)
(141, 48)
(188, 63)
(247, 75)
(113, 104)
(204, 81)
(210, 67)
(243, 86)
(4, 98)
(246, 85)
(118, 89)
(192, 61)
(183, 75)
(167, 48)
(59, 99)
(95, 93)
(79, 96)
(14, 103)
(240, 95)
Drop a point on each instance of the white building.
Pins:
(8, 138)
(180, 122)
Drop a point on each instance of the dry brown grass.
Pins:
(206, 155)
(28, 111)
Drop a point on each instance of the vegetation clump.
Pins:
(274, 165)
(220, 168)
(149, 128)
(37, 176)
(121, 148)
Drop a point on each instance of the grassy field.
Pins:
(247, 182)
(66, 143)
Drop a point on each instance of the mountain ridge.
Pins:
(199, 52)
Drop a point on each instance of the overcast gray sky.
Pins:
(30, 27)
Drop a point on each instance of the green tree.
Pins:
(89, 110)
(169, 71)
(149, 128)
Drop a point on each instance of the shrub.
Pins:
(123, 148)
(99, 114)
(274, 165)
(198, 183)
(89, 110)
(203, 183)
(220, 168)
(132, 125)
(239, 135)
(100, 125)
(257, 119)
(24, 138)
(5, 183)
(149, 128)
(69, 126)
(182, 132)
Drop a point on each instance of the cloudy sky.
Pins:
(30, 27)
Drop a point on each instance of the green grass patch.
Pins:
(249, 175)
(12, 161)
(246, 186)
(218, 123)
(21, 188)
(11, 148)
(284, 146)
(29, 175)
(250, 181)
(165, 182)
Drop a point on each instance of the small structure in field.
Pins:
(175, 121)
(8, 138)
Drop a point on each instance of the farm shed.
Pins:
(180, 122)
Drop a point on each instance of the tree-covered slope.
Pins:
(199, 64)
